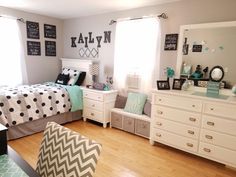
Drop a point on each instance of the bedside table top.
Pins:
(98, 91)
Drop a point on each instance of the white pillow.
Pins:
(73, 73)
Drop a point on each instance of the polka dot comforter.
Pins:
(27, 103)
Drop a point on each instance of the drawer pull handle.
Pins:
(99, 97)
(159, 112)
(211, 123)
(159, 123)
(93, 105)
(209, 137)
(92, 114)
(192, 119)
(191, 132)
(157, 134)
(212, 109)
(159, 99)
(129, 122)
(189, 144)
(117, 119)
(143, 126)
(86, 94)
(206, 150)
(193, 105)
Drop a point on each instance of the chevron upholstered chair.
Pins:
(65, 153)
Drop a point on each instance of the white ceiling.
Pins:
(65, 9)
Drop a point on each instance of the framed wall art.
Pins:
(32, 29)
(50, 48)
(50, 31)
(33, 48)
(171, 41)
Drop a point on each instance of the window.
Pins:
(11, 53)
(136, 49)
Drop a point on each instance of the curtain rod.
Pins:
(162, 15)
(10, 17)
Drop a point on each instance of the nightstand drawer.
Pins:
(98, 105)
(93, 114)
(93, 95)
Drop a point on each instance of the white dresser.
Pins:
(97, 105)
(197, 124)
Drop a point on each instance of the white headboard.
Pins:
(80, 65)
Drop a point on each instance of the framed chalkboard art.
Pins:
(33, 48)
(50, 31)
(50, 48)
(171, 42)
(32, 30)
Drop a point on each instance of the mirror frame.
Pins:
(216, 80)
(195, 26)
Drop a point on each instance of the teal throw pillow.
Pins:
(135, 103)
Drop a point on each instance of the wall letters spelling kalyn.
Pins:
(90, 39)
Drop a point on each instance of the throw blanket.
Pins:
(27, 103)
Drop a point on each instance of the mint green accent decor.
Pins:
(170, 72)
(76, 97)
(223, 97)
(213, 88)
(135, 103)
(8, 168)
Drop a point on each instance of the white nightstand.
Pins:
(97, 104)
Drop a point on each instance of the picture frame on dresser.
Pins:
(163, 85)
(177, 84)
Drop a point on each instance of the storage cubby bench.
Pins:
(133, 123)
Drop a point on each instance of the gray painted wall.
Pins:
(39, 68)
(180, 13)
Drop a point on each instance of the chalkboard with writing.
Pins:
(197, 48)
(171, 41)
(50, 31)
(50, 48)
(33, 48)
(32, 30)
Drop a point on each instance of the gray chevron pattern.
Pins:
(65, 153)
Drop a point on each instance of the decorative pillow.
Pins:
(71, 72)
(81, 78)
(73, 80)
(62, 79)
(147, 108)
(135, 103)
(120, 102)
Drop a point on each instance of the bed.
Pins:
(26, 109)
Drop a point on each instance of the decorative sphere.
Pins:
(234, 90)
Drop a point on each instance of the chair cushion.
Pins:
(135, 103)
(66, 153)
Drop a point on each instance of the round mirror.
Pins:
(216, 73)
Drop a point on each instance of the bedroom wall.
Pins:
(179, 13)
(39, 68)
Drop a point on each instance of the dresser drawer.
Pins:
(224, 110)
(218, 153)
(98, 105)
(186, 117)
(142, 128)
(218, 139)
(93, 95)
(175, 140)
(219, 124)
(93, 114)
(178, 102)
(116, 120)
(128, 124)
(176, 128)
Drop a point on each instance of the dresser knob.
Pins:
(143, 126)
(157, 134)
(189, 144)
(159, 99)
(212, 109)
(209, 137)
(93, 105)
(99, 97)
(192, 119)
(92, 114)
(159, 112)
(191, 132)
(129, 122)
(211, 123)
(159, 123)
(193, 105)
(206, 150)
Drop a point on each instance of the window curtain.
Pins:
(13, 69)
(136, 53)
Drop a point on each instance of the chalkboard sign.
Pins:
(50, 48)
(50, 31)
(32, 30)
(171, 41)
(33, 48)
(197, 48)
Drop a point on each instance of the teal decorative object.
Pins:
(135, 103)
(213, 89)
(234, 90)
(221, 48)
(170, 72)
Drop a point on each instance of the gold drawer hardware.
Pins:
(209, 137)
(157, 134)
(191, 132)
(193, 105)
(189, 144)
(92, 114)
(117, 119)
(159, 123)
(159, 99)
(212, 109)
(159, 112)
(99, 97)
(206, 150)
(86, 94)
(211, 123)
(93, 105)
(192, 119)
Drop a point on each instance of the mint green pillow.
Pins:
(135, 103)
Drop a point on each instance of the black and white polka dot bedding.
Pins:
(27, 103)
